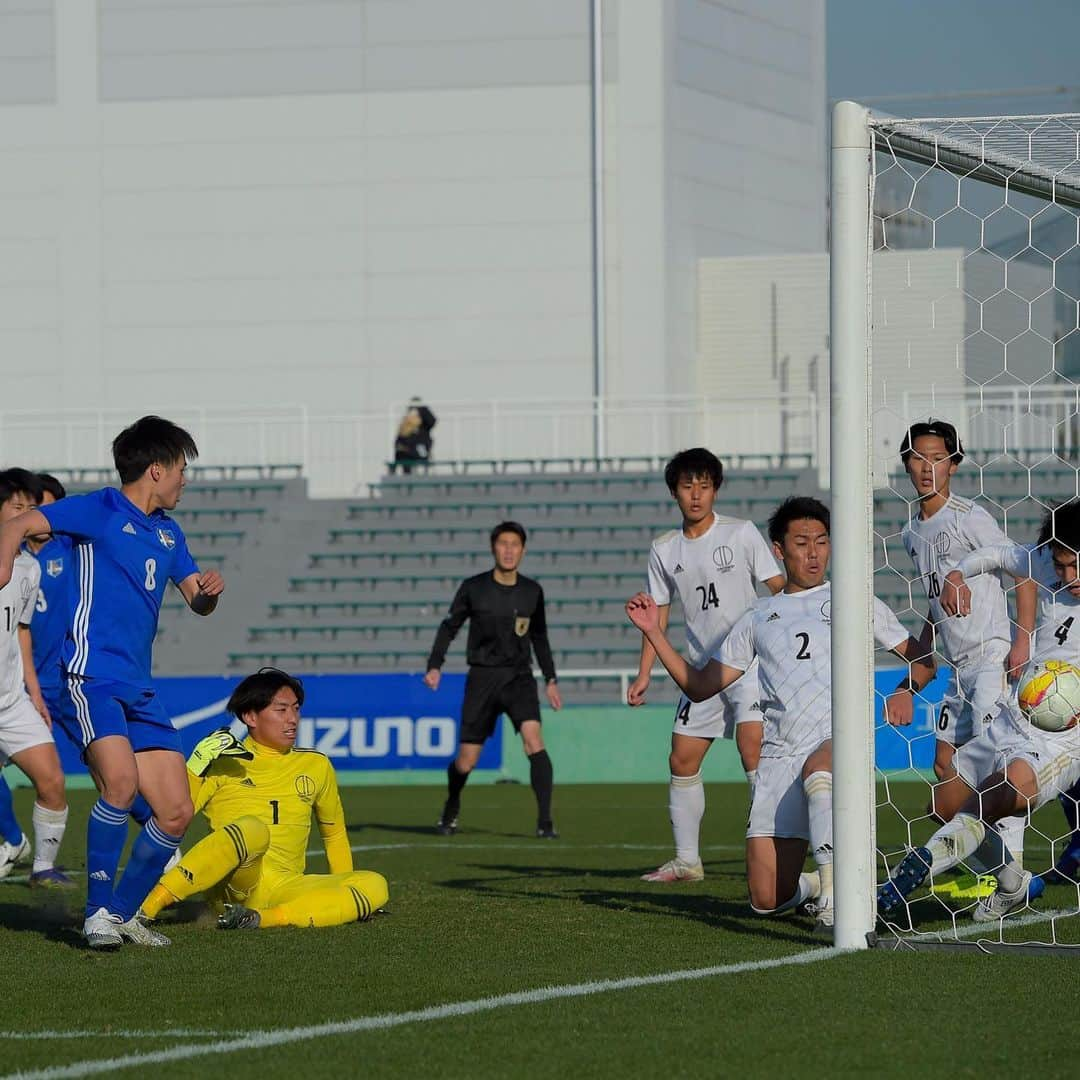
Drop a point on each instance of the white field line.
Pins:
(259, 1040)
(985, 930)
(170, 1033)
(451, 845)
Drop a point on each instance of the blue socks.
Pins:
(152, 850)
(106, 834)
(140, 810)
(9, 826)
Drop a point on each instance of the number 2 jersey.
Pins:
(123, 560)
(714, 577)
(790, 635)
(936, 544)
(17, 600)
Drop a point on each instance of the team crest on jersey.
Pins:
(826, 612)
(305, 787)
(942, 543)
(521, 625)
(168, 541)
(54, 567)
(724, 558)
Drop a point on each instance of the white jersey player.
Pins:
(1012, 767)
(25, 738)
(790, 635)
(980, 649)
(713, 564)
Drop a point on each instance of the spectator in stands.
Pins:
(413, 443)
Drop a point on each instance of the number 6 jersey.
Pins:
(713, 576)
(790, 634)
(936, 544)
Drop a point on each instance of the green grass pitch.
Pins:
(494, 911)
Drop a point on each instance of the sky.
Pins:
(882, 47)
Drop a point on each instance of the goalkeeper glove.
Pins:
(221, 743)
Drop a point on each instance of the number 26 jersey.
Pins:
(936, 544)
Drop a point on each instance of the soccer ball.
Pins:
(1050, 699)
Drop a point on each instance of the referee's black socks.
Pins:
(455, 781)
(542, 778)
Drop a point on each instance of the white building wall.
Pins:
(764, 326)
(336, 205)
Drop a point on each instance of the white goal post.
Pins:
(1011, 415)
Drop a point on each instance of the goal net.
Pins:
(955, 282)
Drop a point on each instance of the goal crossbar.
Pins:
(1033, 155)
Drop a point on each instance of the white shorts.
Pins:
(21, 727)
(718, 716)
(971, 702)
(1054, 757)
(779, 806)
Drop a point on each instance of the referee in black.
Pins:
(506, 613)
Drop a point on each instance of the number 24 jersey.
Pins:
(791, 636)
(713, 576)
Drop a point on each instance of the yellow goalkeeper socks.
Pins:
(208, 862)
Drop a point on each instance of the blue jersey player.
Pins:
(125, 548)
(56, 558)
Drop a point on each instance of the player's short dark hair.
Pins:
(1061, 525)
(258, 690)
(19, 482)
(941, 428)
(51, 486)
(692, 464)
(796, 508)
(508, 527)
(150, 440)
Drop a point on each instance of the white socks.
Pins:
(686, 805)
(809, 888)
(965, 836)
(49, 826)
(818, 788)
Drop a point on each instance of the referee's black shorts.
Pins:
(491, 691)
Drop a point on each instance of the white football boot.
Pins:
(676, 870)
(998, 904)
(102, 930)
(12, 855)
(139, 931)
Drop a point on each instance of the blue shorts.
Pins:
(60, 705)
(97, 708)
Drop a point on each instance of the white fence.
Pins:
(340, 453)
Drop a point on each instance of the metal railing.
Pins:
(340, 453)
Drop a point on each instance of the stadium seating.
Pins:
(361, 584)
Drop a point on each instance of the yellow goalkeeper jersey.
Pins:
(281, 789)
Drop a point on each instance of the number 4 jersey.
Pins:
(123, 560)
(1057, 627)
(790, 634)
(714, 577)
